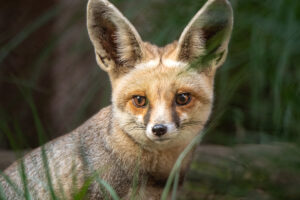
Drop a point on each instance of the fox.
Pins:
(162, 98)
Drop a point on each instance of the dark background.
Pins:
(50, 84)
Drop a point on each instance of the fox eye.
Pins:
(139, 101)
(183, 99)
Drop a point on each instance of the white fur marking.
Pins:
(149, 130)
(173, 63)
(155, 63)
(161, 113)
(140, 118)
(171, 127)
(184, 116)
(149, 64)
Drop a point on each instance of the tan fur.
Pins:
(118, 143)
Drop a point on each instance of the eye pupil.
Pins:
(139, 101)
(183, 99)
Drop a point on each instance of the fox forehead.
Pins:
(165, 62)
(162, 80)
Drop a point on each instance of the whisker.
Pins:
(192, 123)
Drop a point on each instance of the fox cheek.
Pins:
(183, 117)
(140, 119)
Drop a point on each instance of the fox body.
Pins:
(161, 99)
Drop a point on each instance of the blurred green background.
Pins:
(50, 84)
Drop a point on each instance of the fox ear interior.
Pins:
(117, 44)
(205, 39)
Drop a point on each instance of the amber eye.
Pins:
(183, 99)
(139, 101)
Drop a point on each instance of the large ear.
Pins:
(117, 44)
(204, 42)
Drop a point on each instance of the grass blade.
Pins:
(12, 184)
(111, 191)
(2, 194)
(23, 176)
(175, 186)
(177, 165)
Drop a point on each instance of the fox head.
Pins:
(161, 97)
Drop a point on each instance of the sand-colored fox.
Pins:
(161, 99)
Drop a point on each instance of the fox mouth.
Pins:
(161, 139)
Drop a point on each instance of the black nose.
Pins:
(159, 129)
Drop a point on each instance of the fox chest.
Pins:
(131, 184)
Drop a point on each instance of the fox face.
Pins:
(162, 96)
(162, 104)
